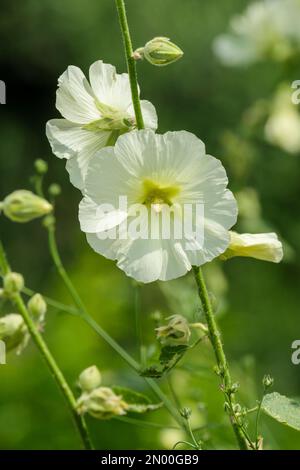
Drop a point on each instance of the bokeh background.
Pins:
(228, 108)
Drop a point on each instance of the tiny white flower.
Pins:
(156, 171)
(95, 113)
(262, 246)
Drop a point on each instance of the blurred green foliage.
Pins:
(257, 302)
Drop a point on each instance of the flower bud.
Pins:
(23, 206)
(262, 246)
(159, 51)
(268, 381)
(186, 413)
(102, 403)
(37, 307)
(41, 166)
(13, 330)
(54, 190)
(176, 332)
(89, 379)
(13, 283)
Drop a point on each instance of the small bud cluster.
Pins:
(99, 402)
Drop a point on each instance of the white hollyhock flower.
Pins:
(156, 172)
(95, 113)
(262, 246)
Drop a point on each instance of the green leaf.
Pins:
(168, 358)
(285, 410)
(137, 402)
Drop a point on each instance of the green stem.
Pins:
(138, 324)
(83, 313)
(43, 348)
(217, 345)
(131, 65)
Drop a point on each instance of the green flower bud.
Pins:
(23, 206)
(54, 190)
(41, 166)
(186, 413)
(37, 307)
(89, 379)
(13, 283)
(268, 381)
(13, 331)
(176, 332)
(159, 51)
(102, 403)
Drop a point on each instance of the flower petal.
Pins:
(74, 98)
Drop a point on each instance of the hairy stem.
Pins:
(131, 65)
(47, 356)
(217, 345)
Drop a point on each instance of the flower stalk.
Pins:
(131, 63)
(223, 368)
(17, 300)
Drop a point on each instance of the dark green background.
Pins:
(261, 319)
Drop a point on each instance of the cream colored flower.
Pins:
(159, 173)
(95, 113)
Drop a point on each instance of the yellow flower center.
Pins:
(155, 194)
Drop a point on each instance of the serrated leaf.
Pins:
(283, 409)
(137, 402)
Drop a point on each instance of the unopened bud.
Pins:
(41, 166)
(54, 190)
(102, 403)
(159, 51)
(23, 206)
(12, 330)
(268, 381)
(89, 379)
(13, 283)
(234, 388)
(186, 413)
(37, 307)
(176, 332)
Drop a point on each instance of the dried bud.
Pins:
(37, 307)
(159, 51)
(176, 332)
(268, 381)
(13, 283)
(262, 246)
(23, 206)
(89, 379)
(102, 403)
(13, 331)
(41, 166)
